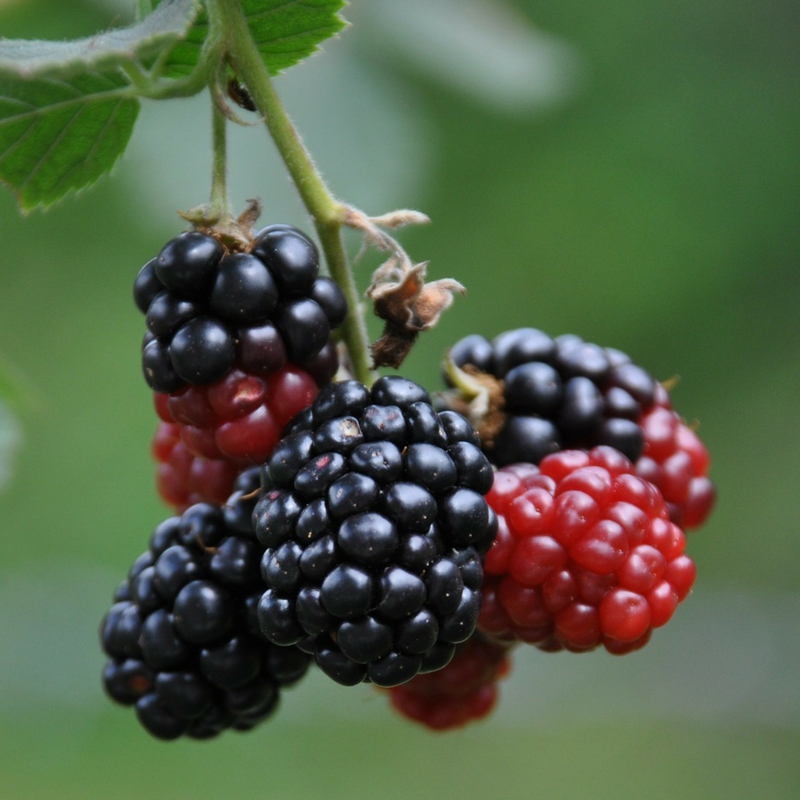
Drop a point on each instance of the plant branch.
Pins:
(220, 205)
(328, 214)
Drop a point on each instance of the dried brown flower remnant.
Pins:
(408, 305)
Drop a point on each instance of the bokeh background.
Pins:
(625, 170)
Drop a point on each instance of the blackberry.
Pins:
(585, 555)
(182, 638)
(374, 520)
(559, 393)
(463, 691)
(209, 310)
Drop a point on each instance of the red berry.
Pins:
(236, 394)
(190, 406)
(590, 559)
(161, 403)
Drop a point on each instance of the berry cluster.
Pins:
(375, 535)
(374, 519)
(463, 691)
(209, 310)
(237, 344)
(585, 555)
(182, 637)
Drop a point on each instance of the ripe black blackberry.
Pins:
(183, 639)
(209, 309)
(374, 520)
(558, 393)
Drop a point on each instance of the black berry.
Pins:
(373, 521)
(185, 648)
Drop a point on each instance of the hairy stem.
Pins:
(328, 214)
(220, 205)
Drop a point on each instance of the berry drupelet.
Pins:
(182, 637)
(676, 461)
(374, 520)
(209, 310)
(585, 555)
(464, 691)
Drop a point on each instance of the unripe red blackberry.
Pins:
(464, 691)
(182, 638)
(585, 555)
(210, 310)
(374, 519)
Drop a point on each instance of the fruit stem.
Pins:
(328, 214)
(220, 204)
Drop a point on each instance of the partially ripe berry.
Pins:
(209, 309)
(585, 555)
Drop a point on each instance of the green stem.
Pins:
(156, 87)
(220, 205)
(328, 214)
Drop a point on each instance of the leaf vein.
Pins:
(16, 100)
(122, 92)
(43, 158)
(20, 140)
(98, 139)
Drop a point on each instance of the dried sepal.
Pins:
(408, 305)
(478, 396)
(236, 234)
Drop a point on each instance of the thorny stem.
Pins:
(328, 214)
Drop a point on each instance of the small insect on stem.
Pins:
(239, 94)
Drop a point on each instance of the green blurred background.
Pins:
(628, 171)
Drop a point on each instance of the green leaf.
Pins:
(37, 59)
(285, 31)
(59, 134)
